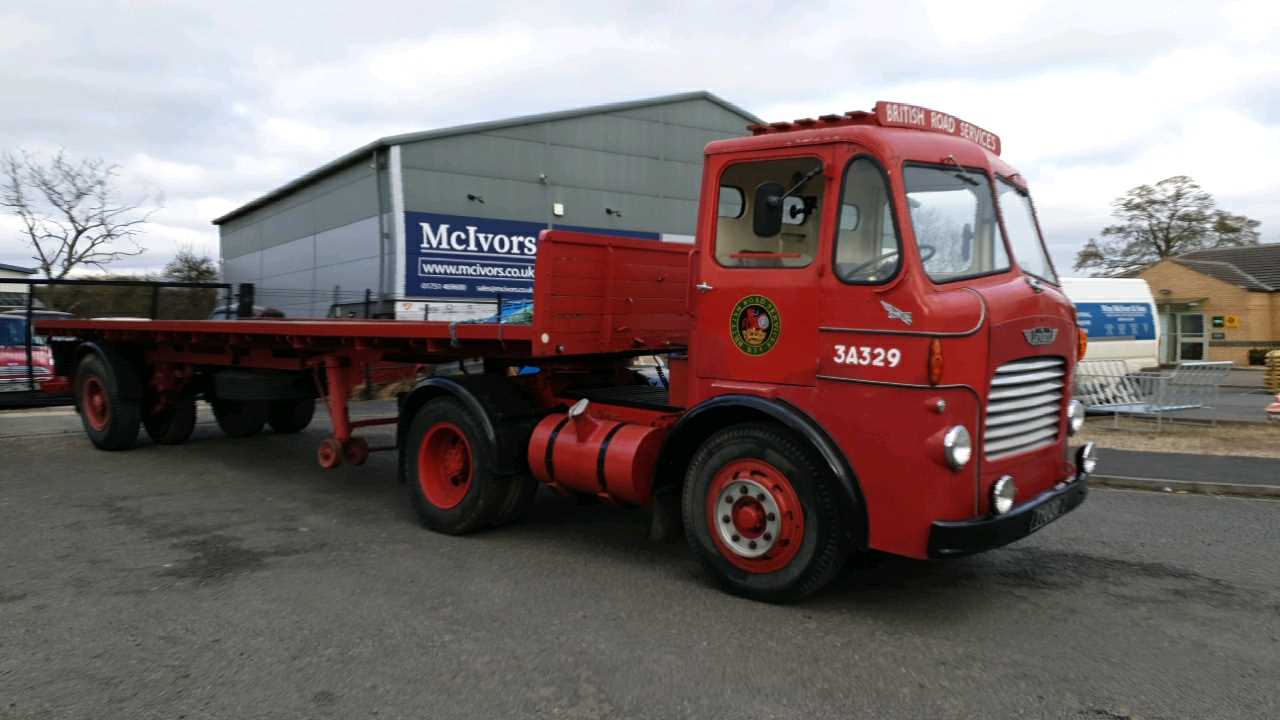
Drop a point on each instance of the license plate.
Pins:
(1046, 513)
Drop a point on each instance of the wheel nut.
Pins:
(743, 489)
(726, 518)
(752, 544)
(771, 517)
(768, 537)
(736, 538)
(760, 497)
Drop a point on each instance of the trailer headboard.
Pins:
(605, 294)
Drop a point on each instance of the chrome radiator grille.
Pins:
(20, 371)
(1024, 409)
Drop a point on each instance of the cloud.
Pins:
(215, 105)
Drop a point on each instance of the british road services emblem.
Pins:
(755, 325)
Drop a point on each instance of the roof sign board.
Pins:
(893, 114)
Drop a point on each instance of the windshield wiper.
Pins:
(962, 175)
(806, 178)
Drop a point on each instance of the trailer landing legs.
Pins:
(340, 377)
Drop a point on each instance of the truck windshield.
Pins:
(1024, 237)
(953, 215)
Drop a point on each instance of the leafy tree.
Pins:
(70, 211)
(188, 266)
(1173, 217)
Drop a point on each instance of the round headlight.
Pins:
(1003, 494)
(957, 447)
(1075, 416)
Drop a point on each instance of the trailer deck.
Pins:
(594, 295)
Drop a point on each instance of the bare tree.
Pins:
(189, 266)
(70, 211)
(1172, 217)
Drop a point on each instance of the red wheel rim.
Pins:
(445, 467)
(94, 403)
(754, 516)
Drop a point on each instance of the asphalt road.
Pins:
(235, 579)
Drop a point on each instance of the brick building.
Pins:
(1218, 304)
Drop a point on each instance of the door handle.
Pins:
(703, 287)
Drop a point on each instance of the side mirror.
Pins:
(766, 220)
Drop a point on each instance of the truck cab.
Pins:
(884, 274)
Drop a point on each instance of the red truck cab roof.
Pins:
(894, 131)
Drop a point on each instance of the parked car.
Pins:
(259, 311)
(14, 371)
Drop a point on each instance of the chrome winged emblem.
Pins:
(895, 313)
(1040, 335)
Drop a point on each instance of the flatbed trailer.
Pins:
(830, 386)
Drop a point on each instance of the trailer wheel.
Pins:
(449, 465)
(240, 418)
(291, 416)
(110, 420)
(174, 424)
(329, 454)
(760, 514)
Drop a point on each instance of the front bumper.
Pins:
(965, 537)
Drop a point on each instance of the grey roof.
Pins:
(16, 268)
(363, 151)
(1255, 267)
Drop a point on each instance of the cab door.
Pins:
(755, 300)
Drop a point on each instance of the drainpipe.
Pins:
(382, 228)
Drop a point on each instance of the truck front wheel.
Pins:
(760, 514)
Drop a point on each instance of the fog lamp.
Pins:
(1075, 417)
(957, 447)
(1086, 461)
(1003, 494)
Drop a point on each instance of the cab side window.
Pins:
(867, 246)
(799, 186)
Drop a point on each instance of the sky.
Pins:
(209, 105)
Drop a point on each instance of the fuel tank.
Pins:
(607, 458)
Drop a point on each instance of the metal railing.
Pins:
(1107, 386)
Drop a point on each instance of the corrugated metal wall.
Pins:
(644, 163)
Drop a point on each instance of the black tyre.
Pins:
(109, 412)
(760, 514)
(174, 424)
(240, 418)
(291, 416)
(448, 463)
(522, 490)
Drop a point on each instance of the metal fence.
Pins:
(26, 357)
(1106, 386)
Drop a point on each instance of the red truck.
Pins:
(17, 374)
(867, 350)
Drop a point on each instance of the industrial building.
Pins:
(13, 295)
(449, 218)
(1218, 304)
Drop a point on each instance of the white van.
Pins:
(1120, 316)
